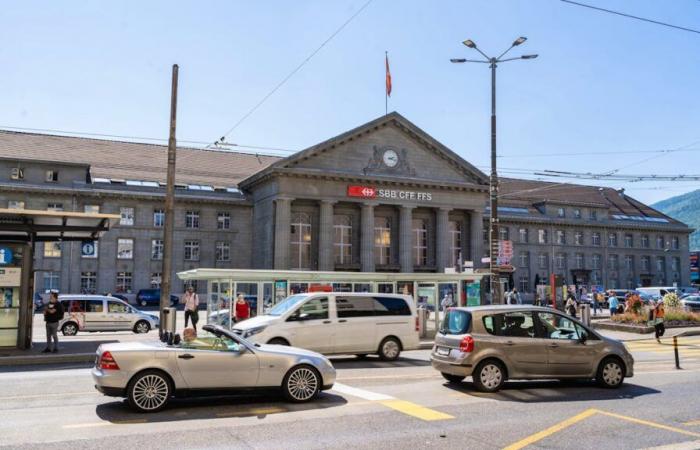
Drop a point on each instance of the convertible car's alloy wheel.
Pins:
(149, 392)
(301, 384)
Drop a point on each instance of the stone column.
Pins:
(367, 238)
(406, 239)
(442, 240)
(283, 216)
(476, 241)
(325, 236)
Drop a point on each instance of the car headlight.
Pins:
(253, 331)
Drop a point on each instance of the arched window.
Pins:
(342, 241)
(300, 242)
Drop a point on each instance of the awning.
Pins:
(42, 226)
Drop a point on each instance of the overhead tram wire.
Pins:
(293, 72)
(630, 16)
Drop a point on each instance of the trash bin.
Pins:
(169, 319)
(422, 322)
(585, 313)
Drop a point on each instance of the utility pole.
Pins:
(165, 284)
(496, 296)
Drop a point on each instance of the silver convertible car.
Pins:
(215, 362)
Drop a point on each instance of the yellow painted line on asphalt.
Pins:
(415, 410)
(253, 412)
(649, 423)
(692, 422)
(551, 430)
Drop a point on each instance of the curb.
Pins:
(425, 345)
(23, 360)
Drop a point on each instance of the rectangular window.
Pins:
(420, 242)
(578, 238)
(54, 206)
(612, 262)
(503, 233)
(314, 309)
(391, 306)
(660, 264)
(645, 241)
(52, 249)
(123, 284)
(88, 282)
(524, 283)
(522, 234)
(593, 215)
(675, 264)
(675, 243)
(156, 278)
(342, 239)
(456, 242)
(382, 240)
(543, 259)
(561, 237)
(595, 239)
(126, 216)
(561, 260)
(612, 240)
(629, 241)
(125, 249)
(580, 261)
(92, 209)
(51, 176)
(577, 213)
(524, 259)
(595, 261)
(542, 236)
(192, 219)
(52, 281)
(354, 306)
(300, 242)
(191, 250)
(629, 262)
(223, 221)
(223, 251)
(561, 212)
(646, 264)
(94, 306)
(15, 204)
(157, 249)
(158, 218)
(660, 242)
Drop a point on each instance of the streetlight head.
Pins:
(519, 41)
(529, 56)
(458, 60)
(469, 43)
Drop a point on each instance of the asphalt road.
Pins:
(375, 404)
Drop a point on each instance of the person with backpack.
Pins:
(53, 314)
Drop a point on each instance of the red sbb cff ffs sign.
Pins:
(362, 191)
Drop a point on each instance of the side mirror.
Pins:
(583, 338)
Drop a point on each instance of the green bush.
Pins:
(630, 318)
(681, 315)
(671, 300)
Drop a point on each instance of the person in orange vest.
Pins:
(659, 314)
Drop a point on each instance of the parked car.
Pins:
(691, 303)
(495, 343)
(102, 313)
(151, 297)
(339, 323)
(150, 374)
(657, 292)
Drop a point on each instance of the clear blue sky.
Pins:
(602, 83)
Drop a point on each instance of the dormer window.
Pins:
(51, 176)
(17, 173)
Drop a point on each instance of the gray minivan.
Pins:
(102, 313)
(495, 343)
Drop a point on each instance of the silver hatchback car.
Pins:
(103, 313)
(495, 343)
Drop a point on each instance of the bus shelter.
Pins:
(432, 292)
(20, 230)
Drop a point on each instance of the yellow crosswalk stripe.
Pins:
(415, 410)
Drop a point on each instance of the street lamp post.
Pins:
(493, 180)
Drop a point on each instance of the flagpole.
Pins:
(386, 93)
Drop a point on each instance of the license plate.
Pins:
(443, 351)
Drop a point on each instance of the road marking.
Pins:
(551, 430)
(586, 414)
(383, 377)
(692, 422)
(415, 410)
(690, 445)
(59, 394)
(253, 412)
(361, 393)
(104, 423)
(408, 408)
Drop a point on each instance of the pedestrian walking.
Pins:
(446, 301)
(513, 297)
(53, 314)
(191, 301)
(613, 303)
(597, 300)
(659, 314)
(570, 306)
(242, 308)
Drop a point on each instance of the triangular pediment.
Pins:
(390, 146)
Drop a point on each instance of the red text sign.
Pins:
(362, 191)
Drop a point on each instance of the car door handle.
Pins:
(326, 321)
(510, 343)
(186, 356)
(553, 345)
(342, 320)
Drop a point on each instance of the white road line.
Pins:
(361, 393)
(689, 445)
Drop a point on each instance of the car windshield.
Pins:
(204, 340)
(287, 304)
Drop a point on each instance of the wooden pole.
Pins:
(166, 286)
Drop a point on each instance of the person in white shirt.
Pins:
(191, 301)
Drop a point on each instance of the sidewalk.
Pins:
(82, 351)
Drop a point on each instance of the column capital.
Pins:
(327, 202)
(369, 204)
(284, 198)
(445, 209)
(408, 207)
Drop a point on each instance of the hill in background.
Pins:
(686, 208)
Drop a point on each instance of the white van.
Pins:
(339, 323)
(657, 292)
(102, 313)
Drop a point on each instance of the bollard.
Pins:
(675, 351)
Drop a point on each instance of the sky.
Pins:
(603, 86)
